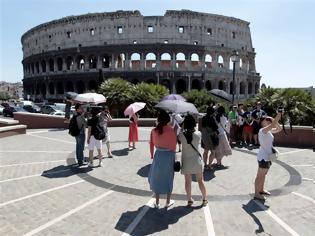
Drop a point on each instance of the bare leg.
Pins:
(100, 156)
(109, 151)
(168, 198)
(91, 156)
(133, 145)
(188, 187)
(157, 199)
(212, 156)
(202, 187)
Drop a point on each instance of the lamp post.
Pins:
(234, 58)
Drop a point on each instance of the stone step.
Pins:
(12, 130)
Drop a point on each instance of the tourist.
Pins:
(191, 159)
(80, 139)
(224, 148)
(269, 126)
(248, 127)
(233, 119)
(257, 114)
(240, 112)
(105, 118)
(161, 175)
(94, 127)
(209, 137)
(133, 131)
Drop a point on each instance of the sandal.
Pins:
(265, 192)
(189, 203)
(204, 202)
(260, 198)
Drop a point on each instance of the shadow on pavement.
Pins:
(121, 152)
(65, 171)
(154, 221)
(144, 171)
(251, 207)
(207, 176)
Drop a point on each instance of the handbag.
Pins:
(177, 166)
(274, 154)
(214, 139)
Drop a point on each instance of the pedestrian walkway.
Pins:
(44, 193)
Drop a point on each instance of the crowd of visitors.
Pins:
(218, 131)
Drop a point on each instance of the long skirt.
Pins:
(161, 173)
(224, 148)
(133, 132)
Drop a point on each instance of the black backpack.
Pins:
(73, 126)
(99, 132)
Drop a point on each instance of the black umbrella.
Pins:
(177, 106)
(221, 94)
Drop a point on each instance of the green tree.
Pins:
(119, 93)
(151, 94)
(201, 99)
(4, 96)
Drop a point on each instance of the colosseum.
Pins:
(181, 50)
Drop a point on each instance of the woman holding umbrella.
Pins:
(161, 174)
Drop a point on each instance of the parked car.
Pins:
(8, 111)
(51, 110)
(32, 108)
(1, 109)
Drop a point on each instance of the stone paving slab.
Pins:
(232, 209)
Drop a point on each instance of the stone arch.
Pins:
(70, 63)
(60, 88)
(37, 67)
(92, 85)
(220, 61)
(208, 85)
(32, 67)
(80, 86)
(181, 86)
(43, 65)
(208, 61)
(43, 89)
(51, 88)
(166, 60)
(92, 62)
(250, 88)
(121, 59)
(80, 62)
(51, 64)
(242, 87)
(166, 83)
(106, 61)
(59, 63)
(135, 61)
(256, 87)
(221, 85)
(194, 60)
(180, 60)
(69, 87)
(150, 60)
(195, 84)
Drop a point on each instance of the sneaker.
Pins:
(91, 164)
(170, 203)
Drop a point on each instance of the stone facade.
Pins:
(182, 50)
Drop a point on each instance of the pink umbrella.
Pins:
(133, 108)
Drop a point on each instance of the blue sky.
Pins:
(283, 31)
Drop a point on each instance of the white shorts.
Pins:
(94, 143)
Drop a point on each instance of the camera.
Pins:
(280, 109)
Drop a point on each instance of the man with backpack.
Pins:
(77, 129)
(96, 134)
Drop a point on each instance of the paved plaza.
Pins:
(44, 193)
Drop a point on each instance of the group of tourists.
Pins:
(217, 129)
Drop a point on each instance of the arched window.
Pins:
(120, 62)
(208, 61)
(59, 64)
(37, 67)
(51, 64)
(180, 60)
(106, 61)
(135, 61)
(43, 90)
(32, 68)
(69, 63)
(195, 84)
(166, 83)
(256, 88)
(51, 88)
(208, 85)
(242, 88)
(221, 85)
(241, 63)
(80, 63)
(181, 86)
(194, 57)
(166, 60)
(250, 88)
(220, 61)
(150, 60)
(60, 89)
(92, 62)
(43, 64)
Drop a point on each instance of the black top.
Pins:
(93, 122)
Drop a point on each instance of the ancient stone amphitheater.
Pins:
(182, 50)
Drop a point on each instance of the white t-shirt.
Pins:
(266, 143)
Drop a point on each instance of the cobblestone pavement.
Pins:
(44, 193)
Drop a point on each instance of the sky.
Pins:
(283, 31)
